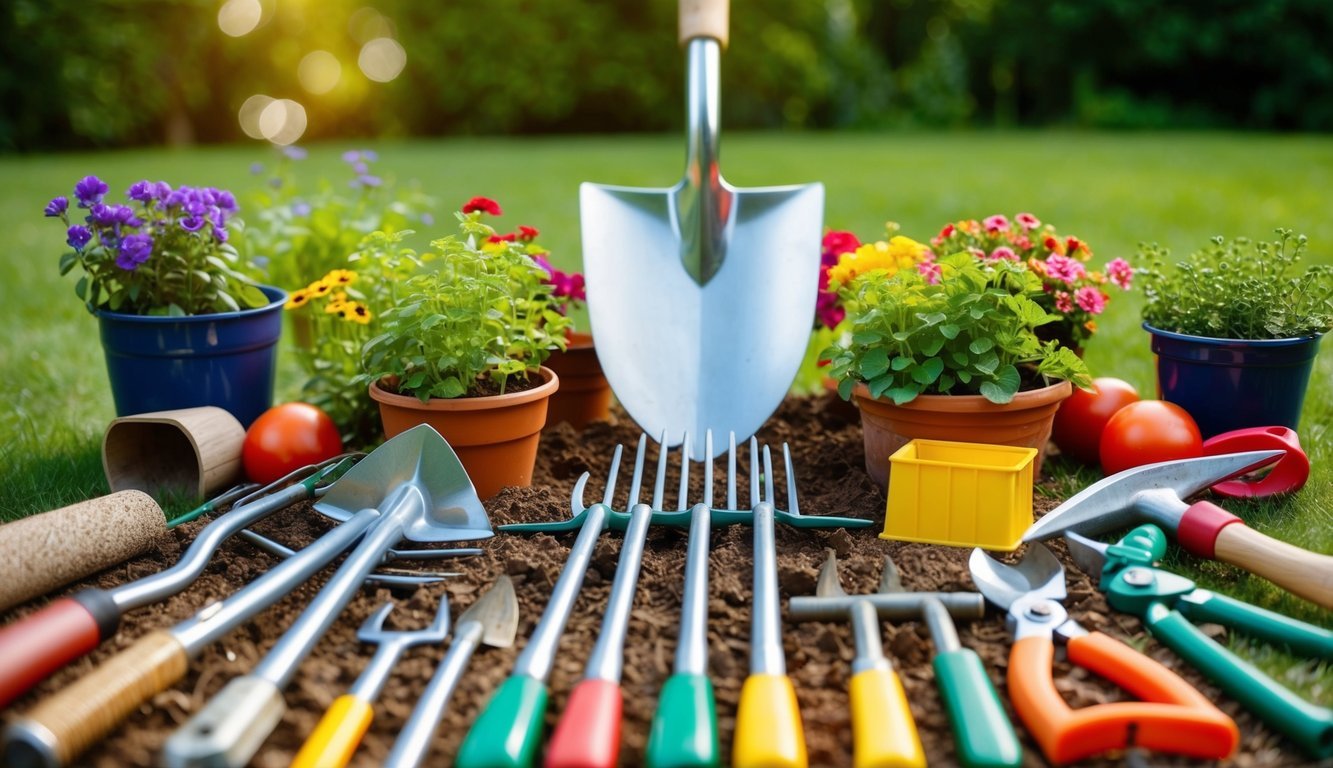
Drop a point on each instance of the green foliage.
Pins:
(479, 318)
(1238, 289)
(970, 332)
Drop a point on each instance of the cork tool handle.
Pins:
(704, 18)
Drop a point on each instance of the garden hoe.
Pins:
(701, 295)
(1153, 493)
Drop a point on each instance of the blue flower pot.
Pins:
(227, 359)
(1228, 384)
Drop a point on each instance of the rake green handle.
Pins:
(684, 732)
(1303, 639)
(508, 731)
(984, 736)
(1308, 725)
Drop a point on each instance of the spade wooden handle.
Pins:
(704, 18)
(77, 717)
(1300, 572)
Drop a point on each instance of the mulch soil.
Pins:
(826, 442)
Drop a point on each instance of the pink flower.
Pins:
(1120, 272)
(944, 234)
(1090, 300)
(483, 204)
(931, 271)
(568, 285)
(835, 244)
(1027, 221)
(977, 253)
(997, 223)
(1064, 268)
(1023, 243)
(1003, 253)
(828, 312)
(1063, 303)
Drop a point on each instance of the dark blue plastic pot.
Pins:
(227, 359)
(1228, 384)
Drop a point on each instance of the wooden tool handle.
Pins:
(704, 18)
(80, 715)
(52, 549)
(1300, 572)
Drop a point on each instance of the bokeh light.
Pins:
(282, 122)
(382, 59)
(319, 72)
(248, 115)
(366, 24)
(239, 17)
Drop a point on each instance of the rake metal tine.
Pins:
(793, 507)
(708, 469)
(374, 623)
(659, 485)
(731, 472)
(829, 585)
(768, 477)
(683, 502)
(636, 482)
(889, 580)
(754, 473)
(610, 493)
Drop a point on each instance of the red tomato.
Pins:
(288, 437)
(1083, 415)
(1147, 432)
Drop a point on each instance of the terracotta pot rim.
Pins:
(577, 340)
(1029, 398)
(542, 391)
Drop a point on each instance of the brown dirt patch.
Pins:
(826, 442)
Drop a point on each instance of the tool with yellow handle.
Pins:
(768, 721)
(339, 732)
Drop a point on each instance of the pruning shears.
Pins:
(1172, 717)
(1168, 604)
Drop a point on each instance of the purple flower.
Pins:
(369, 155)
(427, 219)
(90, 190)
(256, 169)
(161, 190)
(294, 153)
(226, 201)
(192, 223)
(134, 250)
(351, 156)
(142, 191)
(57, 206)
(361, 168)
(367, 180)
(300, 208)
(113, 215)
(78, 236)
(220, 234)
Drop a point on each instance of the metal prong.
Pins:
(609, 495)
(754, 473)
(685, 448)
(659, 483)
(828, 584)
(635, 483)
(708, 470)
(731, 472)
(374, 623)
(889, 580)
(576, 507)
(768, 477)
(793, 506)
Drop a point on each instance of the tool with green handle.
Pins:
(684, 729)
(508, 731)
(1169, 604)
(339, 732)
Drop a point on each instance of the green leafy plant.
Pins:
(480, 318)
(1238, 289)
(958, 327)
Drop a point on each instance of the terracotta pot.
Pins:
(495, 437)
(585, 395)
(1024, 422)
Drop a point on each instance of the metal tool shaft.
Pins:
(940, 623)
(371, 681)
(413, 742)
(692, 648)
(908, 605)
(702, 199)
(869, 642)
(538, 656)
(766, 627)
(607, 659)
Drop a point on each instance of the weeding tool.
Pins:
(1153, 493)
(508, 731)
(982, 729)
(429, 499)
(1172, 716)
(492, 620)
(684, 729)
(339, 732)
(588, 733)
(1168, 604)
(768, 720)
(381, 578)
(729, 266)
(42, 642)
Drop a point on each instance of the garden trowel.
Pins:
(701, 296)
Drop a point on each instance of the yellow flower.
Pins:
(898, 253)
(296, 299)
(319, 289)
(339, 297)
(336, 307)
(356, 312)
(339, 277)
(1097, 277)
(1091, 326)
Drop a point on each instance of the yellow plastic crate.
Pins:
(960, 494)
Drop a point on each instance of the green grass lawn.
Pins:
(1112, 190)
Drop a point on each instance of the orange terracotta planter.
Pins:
(495, 437)
(585, 394)
(1025, 422)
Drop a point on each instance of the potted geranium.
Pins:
(181, 325)
(1071, 291)
(462, 348)
(947, 349)
(1235, 327)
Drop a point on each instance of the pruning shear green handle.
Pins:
(1170, 604)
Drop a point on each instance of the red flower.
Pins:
(835, 244)
(483, 204)
(505, 238)
(527, 234)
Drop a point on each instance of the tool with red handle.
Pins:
(1171, 717)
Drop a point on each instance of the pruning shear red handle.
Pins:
(1172, 716)
(1287, 475)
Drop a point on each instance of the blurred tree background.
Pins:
(127, 72)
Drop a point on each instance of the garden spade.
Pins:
(701, 295)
